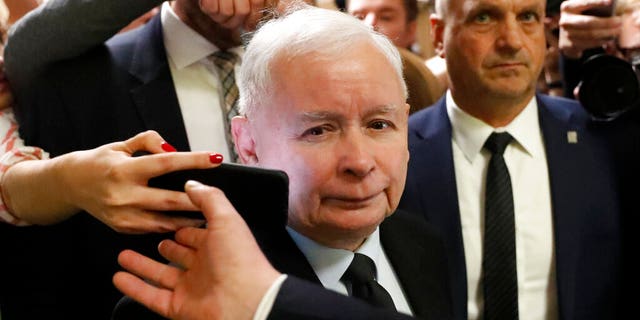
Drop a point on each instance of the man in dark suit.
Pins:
(156, 77)
(345, 154)
(560, 235)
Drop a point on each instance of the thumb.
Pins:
(211, 201)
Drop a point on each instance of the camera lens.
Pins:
(609, 86)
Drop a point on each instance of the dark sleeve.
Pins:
(62, 29)
(299, 299)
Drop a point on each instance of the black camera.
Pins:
(610, 86)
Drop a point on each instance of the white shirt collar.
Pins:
(330, 264)
(184, 46)
(470, 133)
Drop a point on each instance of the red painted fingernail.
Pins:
(215, 158)
(167, 147)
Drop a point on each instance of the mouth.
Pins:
(351, 203)
(508, 65)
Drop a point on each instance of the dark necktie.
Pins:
(500, 280)
(225, 62)
(360, 277)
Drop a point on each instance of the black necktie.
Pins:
(360, 276)
(500, 279)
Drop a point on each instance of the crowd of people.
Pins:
(499, 201)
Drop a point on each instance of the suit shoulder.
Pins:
(417, 119)
(409, 222)
(560, 105)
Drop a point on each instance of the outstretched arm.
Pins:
(61, 29)
(108, 183)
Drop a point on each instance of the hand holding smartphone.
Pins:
(261, 196)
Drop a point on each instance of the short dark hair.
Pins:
(411, 7)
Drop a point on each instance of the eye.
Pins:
(529, 16)
(380, 125)
(387, 17)
(315, 131)
(483, 17)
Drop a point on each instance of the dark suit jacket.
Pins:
(109, 94)
(414, 249)
(583, 195)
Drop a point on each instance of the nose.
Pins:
(356, 155)
(510, 36)
(371, 19)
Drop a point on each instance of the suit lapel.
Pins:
(286, 257)
(417, 258)
(155, 97)
(563, 160)
(431, 183)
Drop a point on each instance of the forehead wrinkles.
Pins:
(514, 6)
(337, 115)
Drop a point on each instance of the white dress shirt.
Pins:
(330, 264)
(197, 85)
(527, 164)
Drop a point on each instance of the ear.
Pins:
(437, 34)
(243, 139)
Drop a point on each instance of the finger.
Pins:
(191, 237)
(150, 141)
(584, 22)
(211, 201)
(586, 34)
(159, 164)
(154, 298)
(210, 7)
(135, 221)
(241, 11)
(159, 274)
(225, 8)
(156, 199)
(577, 6)
(177, 253)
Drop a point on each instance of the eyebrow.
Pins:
(311, 116)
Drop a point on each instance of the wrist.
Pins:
(4, 190)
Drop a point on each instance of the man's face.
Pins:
(338, 128)
(492, 47)
(388, 17)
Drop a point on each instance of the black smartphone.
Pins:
(261, 196)
(602, 11)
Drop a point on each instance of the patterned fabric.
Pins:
(225, 62)
(12, 151)
(500, 277)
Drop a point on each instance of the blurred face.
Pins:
(494, 48)
(388, 17)
(339, 130)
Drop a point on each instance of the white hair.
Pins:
(302, 30)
